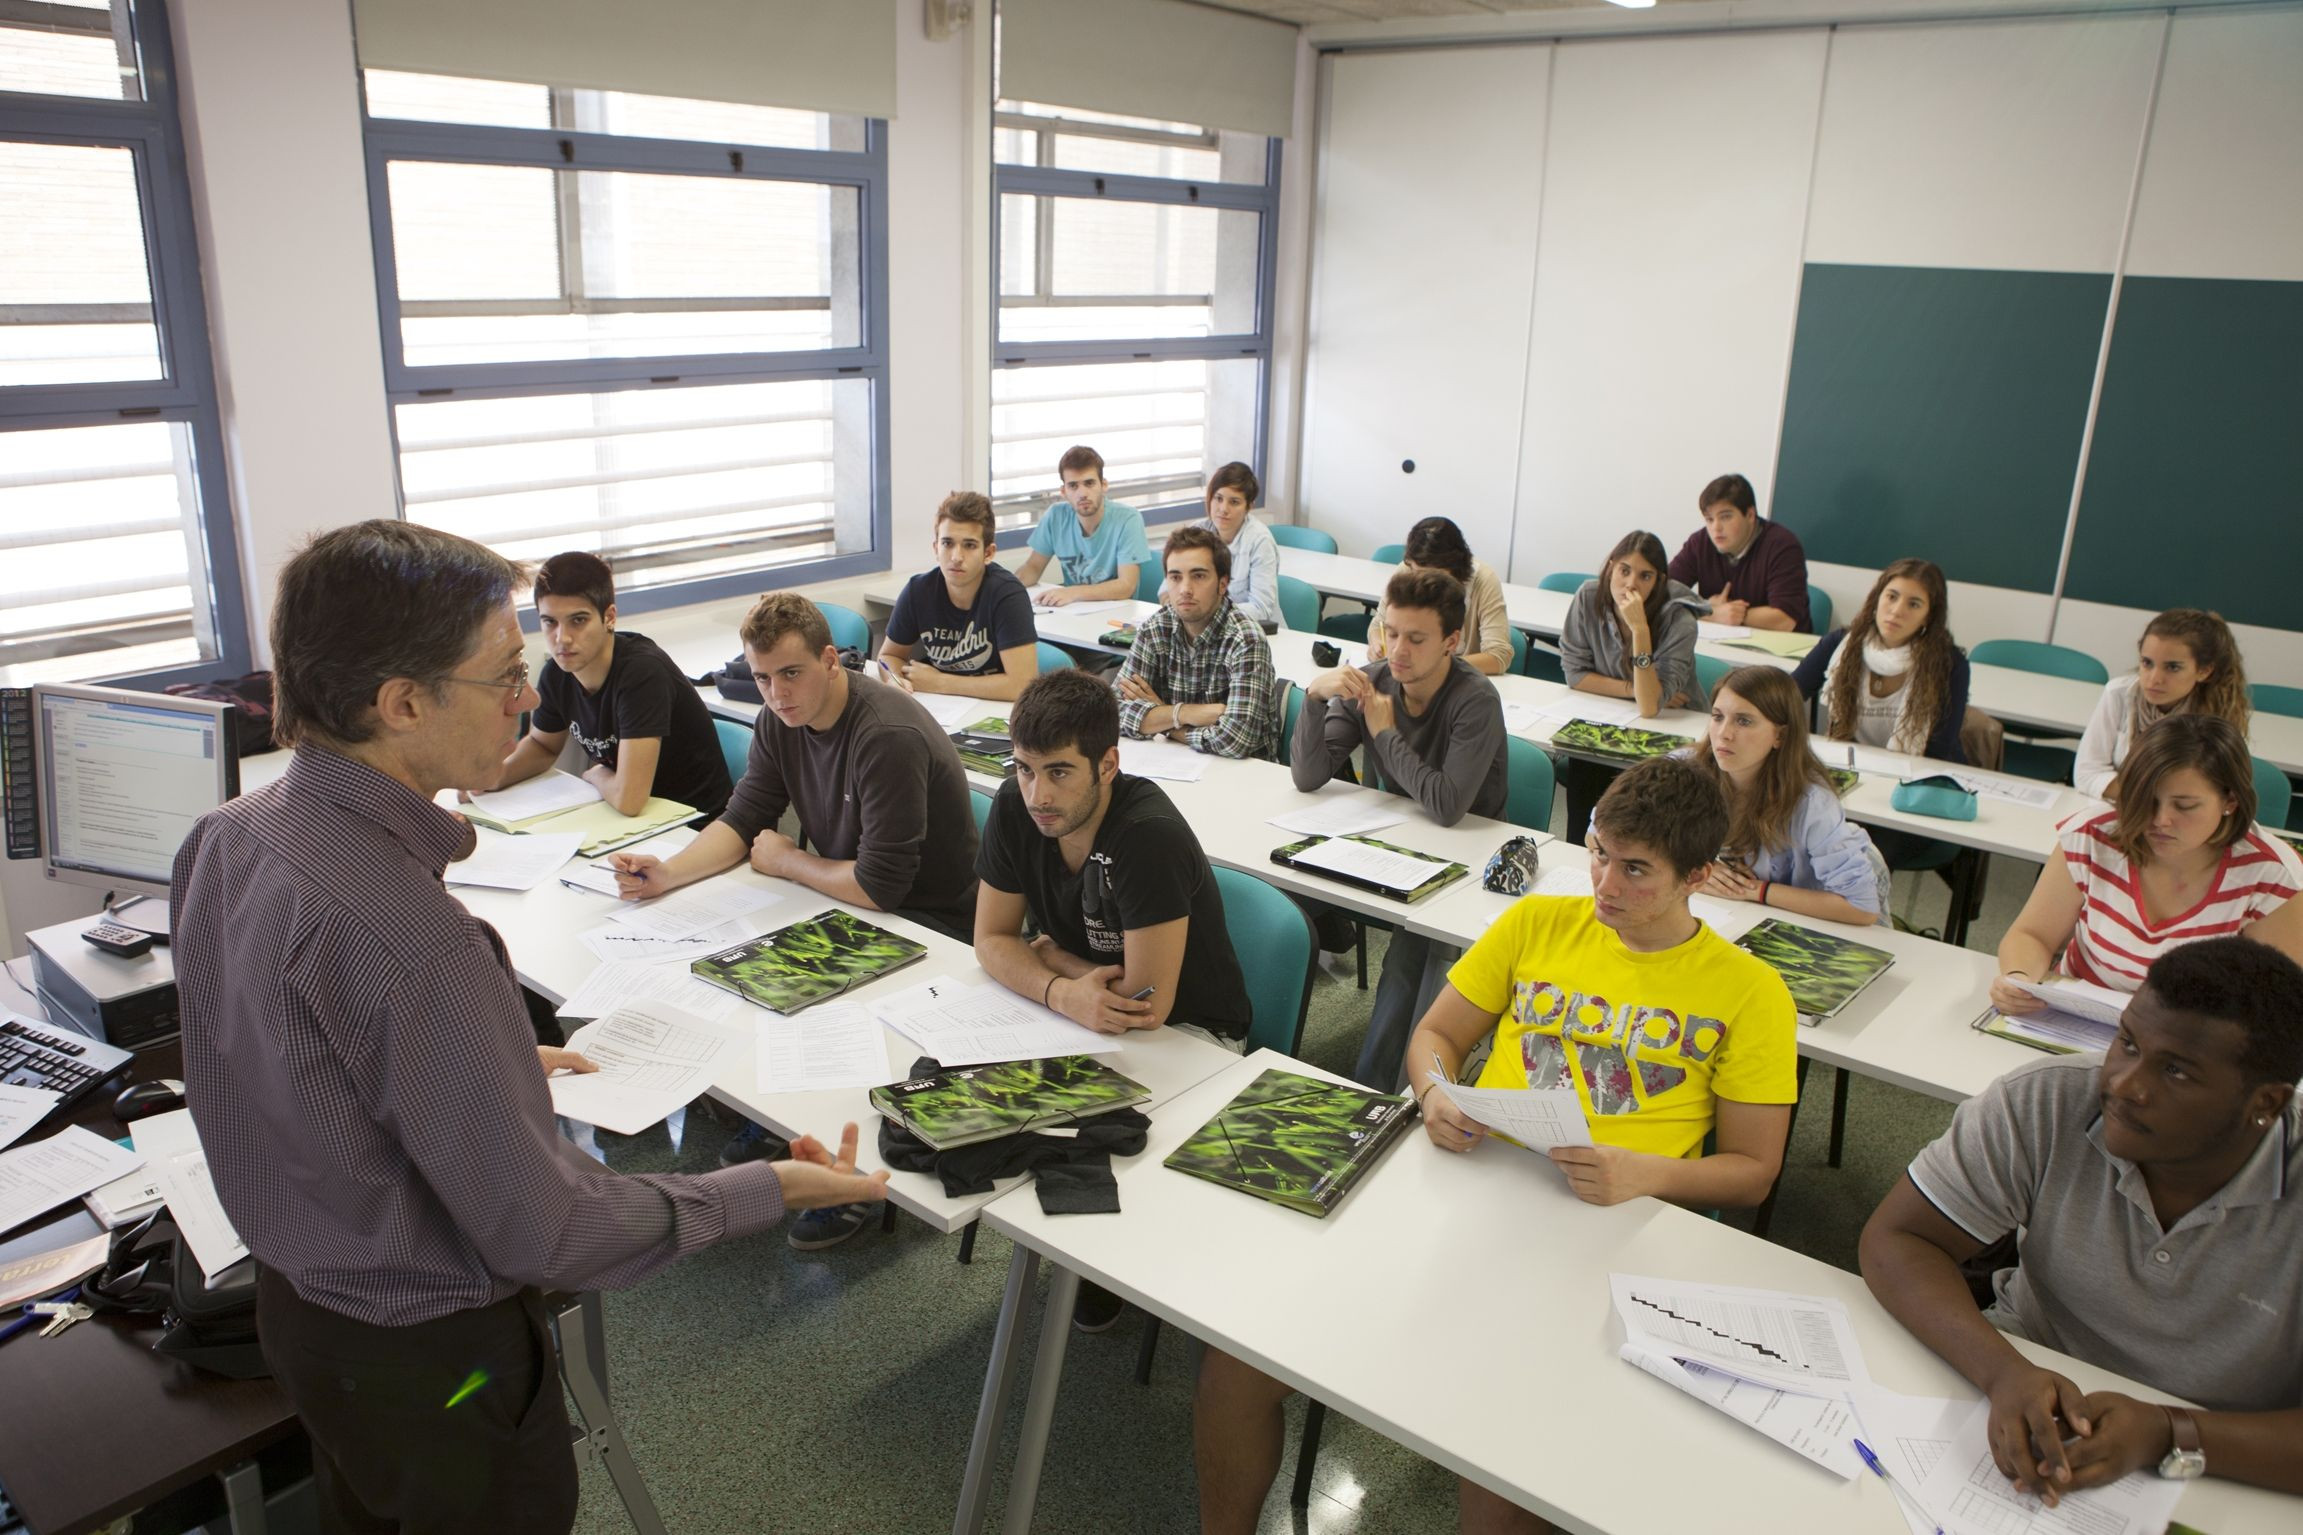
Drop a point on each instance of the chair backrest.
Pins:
(1389, 554)
(2271, 698)
(1818, 609)
(981, 804)
(1274, 940)
(1149, 577)
(2035, 656)
(850, 629)
(1711, 672)
(1298, 604)
(1054, 658)
(1518, 650)
(1568, 581)
(1346, 626)
(1528, 779)
(735, 746)
(1290, 709)
(1288, 536)
(2274, 794)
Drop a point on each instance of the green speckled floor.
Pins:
(769, 1390)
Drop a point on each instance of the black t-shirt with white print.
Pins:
(643, 695)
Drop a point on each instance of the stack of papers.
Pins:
(652, 1059)
(1162, 759)
(1962, 1487)
(546, 794)
(513, 863)
(694, 909)
(599, 874)
(971, 1025)
(1712, 633)
(1538, 1118)
(37, 1178)
(833, 1044)
(1376, 865)
(618, 982)
(23, 1107)
(1343, 814)
(1787, 1365)
(171, 1147)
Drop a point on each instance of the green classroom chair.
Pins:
(1288, 536)
(2274, 795)
(1274, 936)
(2027, 757)
(1543, 660)
(850, 629)
(1347, 626)
(1149, 576)
(1298, 604)
(1389, 554)
(1818, 609)
(1568, 581)
(1054, 658)
(735, 745)
(1518, 650)
(1711, 672)
(1289, 712)
(2271, 698)
(981, 804)
(1528, 785)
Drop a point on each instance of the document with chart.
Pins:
(652, 1059)
(1970, 1496)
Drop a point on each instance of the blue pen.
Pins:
(1900, 1491)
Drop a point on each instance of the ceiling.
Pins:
(1392, 10)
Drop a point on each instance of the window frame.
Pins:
(150, 130)
(1044, 180)
(865, 171)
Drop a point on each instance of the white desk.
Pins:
(539, 928)
(1487, 1259)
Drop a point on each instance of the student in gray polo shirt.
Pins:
(2157, 1197)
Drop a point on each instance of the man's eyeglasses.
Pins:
(514, 682)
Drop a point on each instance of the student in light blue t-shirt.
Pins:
(1101, 543)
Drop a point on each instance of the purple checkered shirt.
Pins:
(364, 1077)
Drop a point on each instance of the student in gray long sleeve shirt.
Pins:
(1595, 641)
(363, 1076)
(1433, 728)
(880, 790)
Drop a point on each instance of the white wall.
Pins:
(1684, 179)
(1429, 181)
(279, 188)
(1675, 193)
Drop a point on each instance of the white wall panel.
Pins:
(2007, 145)
(1675, 193)
(2110, 634)
(1430, 179)
(2222, 191)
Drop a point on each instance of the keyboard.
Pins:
(58, 1060)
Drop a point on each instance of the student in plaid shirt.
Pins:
(1199, 671)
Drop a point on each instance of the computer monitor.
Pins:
(121, 777)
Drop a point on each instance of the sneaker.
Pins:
(1096, 1309)
(829, 1227)
(753, 1143)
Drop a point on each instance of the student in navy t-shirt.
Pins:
(965, 626)
(639, 720)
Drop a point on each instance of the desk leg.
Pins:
(243, 1498)
(585, 1374)
(975, 1485)
(1040, 1403)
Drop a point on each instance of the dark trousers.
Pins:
(453, 1425)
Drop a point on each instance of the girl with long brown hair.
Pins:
(1630, 632)
(1893, 678)
(1789, 844)
(2186, 663)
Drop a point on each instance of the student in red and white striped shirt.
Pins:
(2179, 859)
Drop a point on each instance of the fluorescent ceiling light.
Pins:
(1634, 5)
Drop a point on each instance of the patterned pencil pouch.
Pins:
(1512, 870)
(1940, 796)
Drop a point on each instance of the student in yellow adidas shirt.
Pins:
(1667, 1032)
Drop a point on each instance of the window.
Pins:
(1134, 263)
(641, 326)
(115, 526)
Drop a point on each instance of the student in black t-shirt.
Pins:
(1113, 879)
(639, 720)
(965, 626)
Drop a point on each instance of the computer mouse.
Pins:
(141, 1100)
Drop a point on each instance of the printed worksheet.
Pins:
(171, 1146)
(36, 1178)
(1822, 1428)
(652, 1059)
(833, 1044)
(23, 1107)
(623, 941)
(1967, 1492)
(544, 794)
(1910, 1434)
(1343, 815)
(694, 909)
(1539, 1118)
(1798, 1342)
(972, 1025)
(1381, 866)
(621, 981)
(503, 862)
(1170, 760)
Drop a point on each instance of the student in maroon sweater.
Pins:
(1754, 572)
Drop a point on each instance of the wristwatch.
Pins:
(2186, 1461)
(1644, 659)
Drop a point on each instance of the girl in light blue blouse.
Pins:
(1231, 490)
(1789, 844)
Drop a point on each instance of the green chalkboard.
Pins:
(1937, 413)
(2191, 496)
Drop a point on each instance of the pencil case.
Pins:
(1939, 796)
